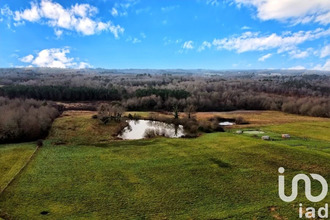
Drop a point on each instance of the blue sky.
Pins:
(208, 34)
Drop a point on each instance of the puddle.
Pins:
(44, 213)
(253, 132)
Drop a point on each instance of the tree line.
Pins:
(25, 120)
(297, 94)
(59, 93)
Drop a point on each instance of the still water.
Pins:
(138, 129)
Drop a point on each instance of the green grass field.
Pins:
(216, 176)
(12, 158)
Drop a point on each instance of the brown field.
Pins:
(255, 118)
(79, 127)
(259, 118)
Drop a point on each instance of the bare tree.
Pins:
(190, 110)
(107, 112)
(25, 120)
(118, 110)
(104, 113)
(176, 112)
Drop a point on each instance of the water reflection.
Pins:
(226, 123)
(139, 129)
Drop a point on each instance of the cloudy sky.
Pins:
(212, 34)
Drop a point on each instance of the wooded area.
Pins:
(297, 94)
(25, 120)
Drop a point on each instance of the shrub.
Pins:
(119, 128)
(40, 143)
(149, 133)
(240, 120)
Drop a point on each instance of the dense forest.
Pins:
(25, 120)
(163, 90)
(60, 93)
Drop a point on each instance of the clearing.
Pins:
(83, 173)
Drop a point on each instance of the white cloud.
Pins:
(134, 40)
(213, 2)
(325, 51)
(84, 10)
(58, 33)
(84, 65)
(301, 54)
(324, 18)
(120, 9)
(326, 66)
(250, 41)
(6, 15)
(169, 8)
(204, 45)
(114, 12)
(115, 30)
(245, 28)
(188, 45)
(297, 68)
(31, 14)
(296, 11)
(6, 11)
(168, 41)
(265, 57)
(78, 17)
(86, 26)
(55, 58)
(27, 59)
(298, 54)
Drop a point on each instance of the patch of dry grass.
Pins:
(260, 118)
(80, 128)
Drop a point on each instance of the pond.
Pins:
(226, 123)
(139, 129)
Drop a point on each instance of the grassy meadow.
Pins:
(82, 172)
(12, 158)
